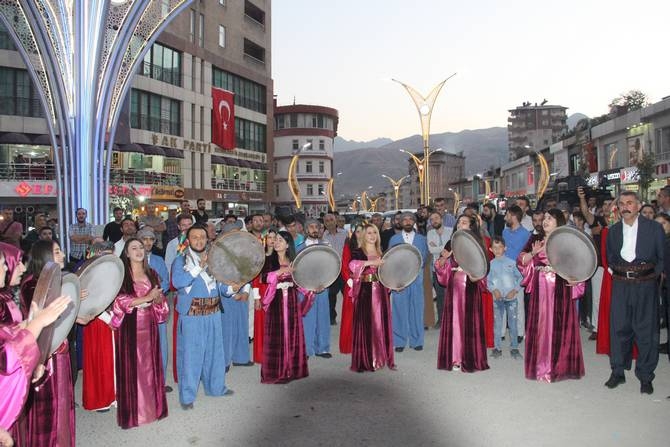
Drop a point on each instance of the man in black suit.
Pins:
(635, 255)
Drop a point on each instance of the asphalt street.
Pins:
(416, 405)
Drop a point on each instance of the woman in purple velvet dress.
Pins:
(553, 345)
(372, 333)
(137, 310)
(284, 354)
(48, 419)
(462, 342)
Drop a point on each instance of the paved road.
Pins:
(417, 405)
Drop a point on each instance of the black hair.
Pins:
(128, 285)
(290, 250)
(196, 226)
(558, 215)
(498, 240)
(40, 253)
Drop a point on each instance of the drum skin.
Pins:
(236, 257)
(400, 267)
(102, 277)
(470, 254)
(571, 253)
(316, 267)
(71, 287)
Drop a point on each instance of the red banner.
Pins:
(223, 118)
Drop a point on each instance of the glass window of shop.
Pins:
(19, 161)
(663, 143)
(156, 113)
(18, 96)
(6, 41)
(248, 94)
(612, 156)
(163, 64)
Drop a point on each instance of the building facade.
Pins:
(532, 127)
(308, 131)
(445, 169)
(164, 150)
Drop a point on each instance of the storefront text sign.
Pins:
(28, 188)
(156, 192)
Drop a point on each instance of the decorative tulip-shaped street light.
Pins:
(292, 178)
(421, 165)
(424, 105)
(396, 187)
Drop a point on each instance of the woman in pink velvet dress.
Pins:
(553, 345)
(19, 353)
(372, 334)
(48, 419)
(462, 342)
(137, 310)
(284, 354)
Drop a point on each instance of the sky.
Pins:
(576, 53)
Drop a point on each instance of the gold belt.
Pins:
(370, 278)
(204, 306)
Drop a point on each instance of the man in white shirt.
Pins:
(635, 248)
(336, 237)
(526, 220)
(437, 236)
(128, 229)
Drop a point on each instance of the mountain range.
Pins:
(363, 163)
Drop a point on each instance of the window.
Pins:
(222, 36)
(320, 189)
(310, 144)
(662, 140)
(191, 29)
(254, 51)
(295, 144)
(250, 135)
(201, 31)
(254, 12)
(18, 96)
(275, 168)
(248, 94)
(322, 167)
(6, 41)
(308, 167)
(279, 121)
(156, 113)
(310, 189)
(294, 120)
(322, 145)
(319, 121)
(163, 64)
(314, 122)
(277, 190)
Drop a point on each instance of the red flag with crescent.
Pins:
(223, 118)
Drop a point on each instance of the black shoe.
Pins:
(249, 363)
(333, 322)
(418, 348)
(614, 381)
(646, 388)
(325, 355)
(228, 392)
(399, 349)
(663, 348)
(437, 325)
(187, 406)
(227, 368)
(593, 336)
(102, 410)
(251, 339)
(168, 389)
(519, 339)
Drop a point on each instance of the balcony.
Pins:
(27, 171)
(237, 185)
(169, 75)
(322, 175)
(134, 176)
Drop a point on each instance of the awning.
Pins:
(14, 138)
(259, 166)
(219, 160)
(231, 161)
(131, 147)
(244, 164)
(150, 149)
(172, 152)
(42, 140)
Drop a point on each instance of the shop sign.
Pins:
(157, 192)
(630, 175)
(175, 143)
(28, 188)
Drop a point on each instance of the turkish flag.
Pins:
(223, 118)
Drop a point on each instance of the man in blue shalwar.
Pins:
(316, 322)
(200, 344)
(408, 303)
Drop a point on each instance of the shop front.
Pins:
(132, 197)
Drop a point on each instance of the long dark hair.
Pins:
(128, 285)
(558, 215)
(40, 253)
(290, 250)
(474, 228)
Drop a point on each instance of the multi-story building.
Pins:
(532, 127)
(445, 169)
(164, 149)
(309, 132)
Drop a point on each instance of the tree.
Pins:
(627, 102)
(646, 167)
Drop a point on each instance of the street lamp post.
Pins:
(293, 184)
(424, 105)
(396, 187)
(421, 167)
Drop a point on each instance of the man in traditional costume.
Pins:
(408, 303)
(635, 256)
(200, 345)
